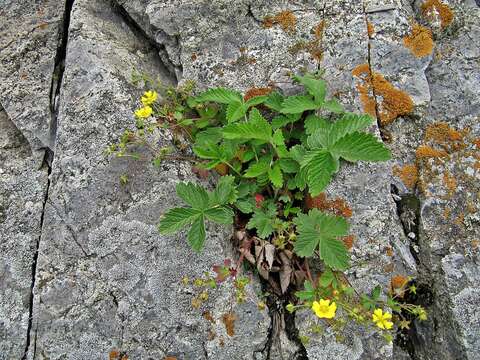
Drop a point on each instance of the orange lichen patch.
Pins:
(442, 133)
(476, 142)
(408, 174)
(286, 19)
(370, 29)
(208, 316)
(337, 206)
(348, 241)
(425, 151)
(471, 207)
(395, 102)
(398, 281)
(459, 220)
(420, 41)
(389, 251)
(433, 8)
(475, 244)
(313, 47)
(252, 92)
(446, 213)
(113, 355)
(450, 183)
(228, 320)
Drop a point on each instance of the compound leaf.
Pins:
(220, 95)
(360, 146)
(176, 218)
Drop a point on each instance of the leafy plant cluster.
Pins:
(272, 151)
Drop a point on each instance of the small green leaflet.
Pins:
(328, 142)
(317, 230)
(298, 104)
(257, 128)
(204, 205)
(220, 95)
(315, 87)
(263, 221)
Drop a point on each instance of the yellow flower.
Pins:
(149, 97)
(381, 319)
(324, 309)
(144, 112)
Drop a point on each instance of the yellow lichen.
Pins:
(433, 8)
(395, 102)
(408, 174)
(420, 41)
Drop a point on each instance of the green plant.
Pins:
(276, 150)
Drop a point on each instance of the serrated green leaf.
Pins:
(319, 166)
(305, 295)
(257, 128)
(211, 135)
(282, 120)
(207, 151)
(334, 253)
(298, 104)
(326, 278)
(349, 123)
(258, 168)
(297, 153)
(274, 101)
(176, 218)
(263, 221)
(220, 95)
(255, 101)
(316, 87)
(221, 215)
(235, 111)
(289, 166)
(317, 229)
(278, 138)
(333, 105)
(246, 206)
(313, 123)
(275, 175)
(360, 146)
(194, 195)
(196, 235)
(224, 192)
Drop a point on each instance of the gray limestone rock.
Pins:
(22, 196)
(29, 37)
(105, 278)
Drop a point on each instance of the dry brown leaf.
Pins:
(285, 272)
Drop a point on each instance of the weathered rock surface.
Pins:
(22, 196)
(30, 35)
(104, 278)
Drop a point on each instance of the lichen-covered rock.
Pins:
(106, 280)
(22, 196)
(29, 37)
(436, 153)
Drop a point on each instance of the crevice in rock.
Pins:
(369, 62)
(58, 71)
(408, 211)
(55, 87)
(281, 321)
(46, 163)
(174, 70)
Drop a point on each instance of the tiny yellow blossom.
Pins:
(324, 309)
(144, 112)
(381, 319)
(149, 97)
